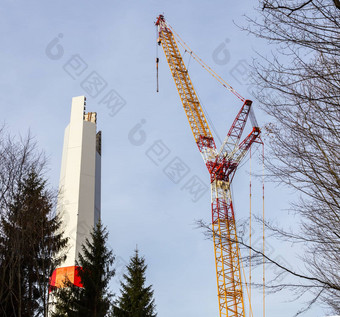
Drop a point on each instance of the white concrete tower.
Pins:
(80, 178)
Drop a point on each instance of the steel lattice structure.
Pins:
(222, 166)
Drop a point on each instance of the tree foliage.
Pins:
(136, 299)
(93, 299)
(31, 241)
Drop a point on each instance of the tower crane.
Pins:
(222, 165)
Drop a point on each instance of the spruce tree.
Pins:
(93, 299)
(29, 243)
(136, 299)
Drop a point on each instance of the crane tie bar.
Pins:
(204, 65)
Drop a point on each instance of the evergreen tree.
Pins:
(29, 243)
(93, 299)
(136, 299)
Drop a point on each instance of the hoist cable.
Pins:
(263, 238)
(157, 60)
(250, 223)
(204, 65)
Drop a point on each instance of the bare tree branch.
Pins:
(337, 3)
(267, 5)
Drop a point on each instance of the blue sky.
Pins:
(141, 205)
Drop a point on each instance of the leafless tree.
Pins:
(299, 88)
(30, 235)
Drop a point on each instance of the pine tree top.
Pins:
(136, 298)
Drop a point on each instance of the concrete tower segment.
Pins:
(80, 178)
